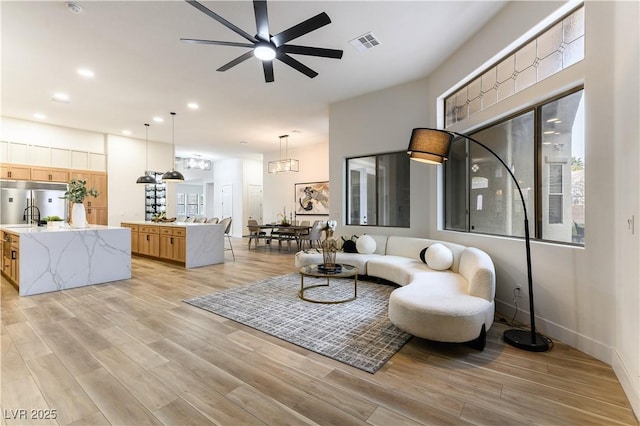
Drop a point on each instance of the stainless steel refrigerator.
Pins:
(28, 202)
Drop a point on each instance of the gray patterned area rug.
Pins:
(357, 333)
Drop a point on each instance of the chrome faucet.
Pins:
(29, 209)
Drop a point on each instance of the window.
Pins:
(544, 148)
(551, 51)
(378, 190)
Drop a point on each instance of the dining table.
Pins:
(286, 233)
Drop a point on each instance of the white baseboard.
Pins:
(628, 382)
(579, 341)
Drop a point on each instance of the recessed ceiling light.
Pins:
(158, 119)
(87, 73)
(193, 105)
(549, 132)
(126, 132)
(243, 142)
(39, 116)
(61, 97)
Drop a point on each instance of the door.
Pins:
(255, 202)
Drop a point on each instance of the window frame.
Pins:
(537, 213)
(348, 191)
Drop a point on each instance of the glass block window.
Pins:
(551, 51)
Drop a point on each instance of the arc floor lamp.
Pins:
(432, 146)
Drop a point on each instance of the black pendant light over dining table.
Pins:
(173, 174)
(146, 178)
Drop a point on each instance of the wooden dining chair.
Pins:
(255, 233)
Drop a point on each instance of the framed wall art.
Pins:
(312, 198)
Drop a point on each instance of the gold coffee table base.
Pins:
(313, 271)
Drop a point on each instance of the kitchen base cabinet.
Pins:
(189, 244)
(11, 258)
(173, 244)
(148, 241)
(134, 236)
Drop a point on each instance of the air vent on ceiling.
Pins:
(364, 42)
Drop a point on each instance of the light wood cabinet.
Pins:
(173, 244)
(134, 236)
(11, 257)
(148, 240)
(97, 212)
(97, 215)
(15, 172)
(163, 242)
(97, 181)
(48, 174)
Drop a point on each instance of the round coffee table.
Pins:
(346, 271)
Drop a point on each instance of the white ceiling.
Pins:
(143, 70)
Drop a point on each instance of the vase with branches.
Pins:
(76, 193)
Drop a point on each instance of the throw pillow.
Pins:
(439, 257)
(349, 246)
(422, 253)
(366, 244)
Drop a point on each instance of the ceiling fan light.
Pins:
(264, 52)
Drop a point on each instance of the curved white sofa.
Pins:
(453, 305)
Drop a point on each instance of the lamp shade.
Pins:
(146, 179)
(172, 175)
(429, 145)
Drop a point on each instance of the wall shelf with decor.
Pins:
(155, 197)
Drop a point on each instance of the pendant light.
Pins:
(146, 178)
(284, 164)
(173, 174)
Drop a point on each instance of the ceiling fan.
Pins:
(267, 47)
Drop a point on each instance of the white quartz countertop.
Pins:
(182, 224)
(33, 229)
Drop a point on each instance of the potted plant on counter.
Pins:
(76, 193)
(53, 221)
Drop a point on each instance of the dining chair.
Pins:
(226, 222)
(181, 218)
(201, 220)
(255, 233)
(213, 220)
(314, 235)
(190, 219)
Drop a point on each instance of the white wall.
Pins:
(626, 39)
(126, 162)
(586, 297)
(278, 189)
(35, 133)
(377, 123)
(229, 172)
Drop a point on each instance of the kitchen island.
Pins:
(189, 244)
(42, 259)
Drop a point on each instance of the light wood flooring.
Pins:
(132, 353)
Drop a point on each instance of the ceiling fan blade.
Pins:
(220, 19)
(293, 63)
(262, 19)
(236, 61)
(220, 43)
(268, 71)
(311, 24)
(311, 51)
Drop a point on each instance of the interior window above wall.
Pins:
(378, 190)
(556, 48)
